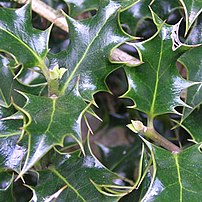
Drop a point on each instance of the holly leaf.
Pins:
(192, 10)
(11, 153)
(50, 119)
(192, 62)
(134, 16)
(9, 85)
(164, 8)
(193, 124)
(122, 159)
(155, 85)
(194, 36)
(190, 120)
(86, 58)
(77, 7)
(5, 186)
(58, 181)
(6, 83)
(184, 171)
(17, 33)
(137, 17)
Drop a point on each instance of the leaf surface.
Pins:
(60, 179)
(155, 86)
(191, 119)
(178, 176)
(50, 120)
(17, 33)
(5, 186)
(91, 42)
(192, 61)
(195, 37)
(9, 85)
(192, 11)
(7, 81)
(193, 124)
(134, 16)
(77, 7)
(122, 159)
(11, 153)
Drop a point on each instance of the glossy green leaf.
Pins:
(6, 83)
(155, 86)
(77, 7)
(17, 33)
(193, 124)
(58, 181)
(192, 61)
(9, 85)
(192, 11)
(11, 153)
(178, 176)
(135, 15)
(122, 159)
(91, 42)
(191, 119)
(49, 121)
(164, 8)
(5, 181)
(6, 186)
(135, 18)
(194, 36)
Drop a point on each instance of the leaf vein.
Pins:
(179, 176)
(52, 116)
(82, 58)
(67, 183)
(157, 81)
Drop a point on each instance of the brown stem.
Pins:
(159, 139)
(151, 133)
(52, 15)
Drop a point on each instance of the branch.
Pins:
(52, 15)
(149, 132)
(57, 18)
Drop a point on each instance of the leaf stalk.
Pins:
(152, 134)
(53, 84)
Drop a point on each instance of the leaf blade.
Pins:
(184, 177)
(192, 11)
(81, 189)
(16, 30)
(49, 121)
(157, 90)
(91, 42)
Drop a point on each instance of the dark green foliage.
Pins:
(50, 104)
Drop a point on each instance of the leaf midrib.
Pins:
(157, 81)
(52, 116)
(67, 183)
(179, 176)
(82, 58)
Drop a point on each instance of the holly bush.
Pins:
(107, 109)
